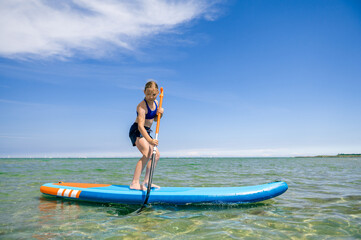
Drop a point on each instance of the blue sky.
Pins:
(241, 78)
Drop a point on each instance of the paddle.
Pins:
(153, 156)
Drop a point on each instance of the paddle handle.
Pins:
(158, 117)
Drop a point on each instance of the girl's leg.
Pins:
(143, 147)
(146, 177)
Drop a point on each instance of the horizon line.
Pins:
(99, 157)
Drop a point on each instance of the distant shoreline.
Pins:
(340, 155)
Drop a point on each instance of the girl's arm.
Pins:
(141, 120)
(159, 111)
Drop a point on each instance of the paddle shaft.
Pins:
(152, 165)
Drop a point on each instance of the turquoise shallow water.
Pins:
(323, 200)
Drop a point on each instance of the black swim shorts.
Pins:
(134, 132)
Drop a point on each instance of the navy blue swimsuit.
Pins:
(151, 114)
(134, 131)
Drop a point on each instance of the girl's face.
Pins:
(151, 94)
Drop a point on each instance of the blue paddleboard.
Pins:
(107, 193)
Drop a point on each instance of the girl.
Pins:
(147, 112)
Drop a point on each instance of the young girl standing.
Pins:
(139, 133)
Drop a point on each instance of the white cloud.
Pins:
(22, 103)
(43, 28)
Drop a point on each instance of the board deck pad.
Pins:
(106, 193)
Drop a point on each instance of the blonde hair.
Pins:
(150, 84)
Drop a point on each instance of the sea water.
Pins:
(323, 200)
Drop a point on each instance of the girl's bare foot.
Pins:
(145, 186)
(136, 186)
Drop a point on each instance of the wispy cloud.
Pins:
(13, 137)
(23, 103)
(45, 28)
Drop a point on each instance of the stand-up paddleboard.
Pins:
(106, 193)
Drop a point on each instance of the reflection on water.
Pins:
(53, 205)
(323, 200)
